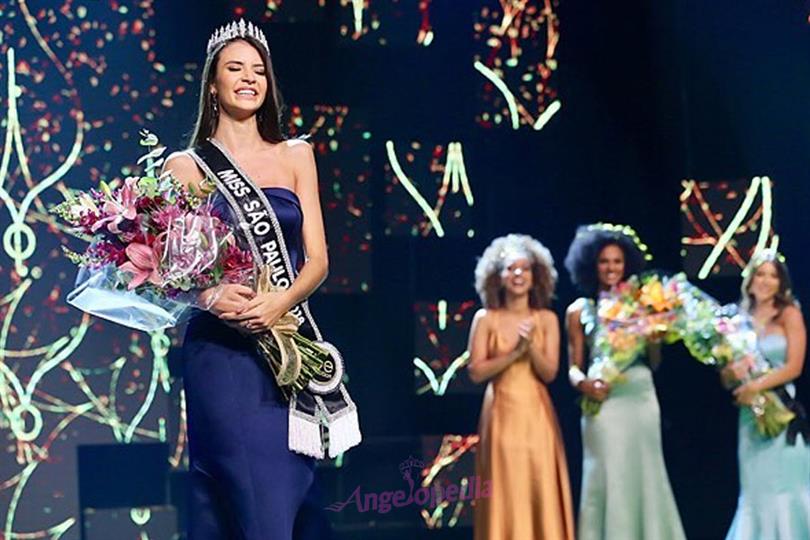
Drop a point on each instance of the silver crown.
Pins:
(235, 30)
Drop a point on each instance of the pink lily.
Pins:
(142, 264)
(121, 209)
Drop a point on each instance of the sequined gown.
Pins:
(522, 454)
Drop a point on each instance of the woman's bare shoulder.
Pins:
(482, 316)
(791, 315)
(576, 307)
(297, 151)
(183, 167)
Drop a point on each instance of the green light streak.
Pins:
(54, 533)
(454, 179)
(31, 21)
(546, 115)
(434, 518)
(19, 242)
(767, 215)
(14, 302)
(357, 10)
(725, 238)
(15, 498)
(458, 171)
(15, 418)
(511, 102)
(412, 190)
(84, 410)
(78, 333)
(110, 416)
(15, 382)
(11, 121)
(439, 387)
(12, 239)
(160, 348)
(442, 307)
(118, 367)
(140, 516)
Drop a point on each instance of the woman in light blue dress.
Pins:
(626, 493)
(774, 501)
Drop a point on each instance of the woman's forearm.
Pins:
(775, 378)
(483, 370)
(311, 276)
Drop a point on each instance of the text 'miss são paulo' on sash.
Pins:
(325, 402)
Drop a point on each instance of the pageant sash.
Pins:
(325, 402)
(800, 425)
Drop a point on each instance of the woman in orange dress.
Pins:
(514, 347)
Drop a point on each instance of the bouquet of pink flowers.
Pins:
(154, 246)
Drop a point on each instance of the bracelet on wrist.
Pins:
(576, 376)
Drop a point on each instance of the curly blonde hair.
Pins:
(491, 264)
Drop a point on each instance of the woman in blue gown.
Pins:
(245, 482)
(774, 501)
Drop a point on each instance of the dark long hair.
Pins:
(268, 117)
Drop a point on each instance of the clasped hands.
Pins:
(736, 372)
(525, 336)
(244, 309)
(598, 389)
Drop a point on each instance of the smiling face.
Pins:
(240, 84)
(516, 276)
(610, 266)
(765, 283)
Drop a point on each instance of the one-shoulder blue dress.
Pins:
(245, 484)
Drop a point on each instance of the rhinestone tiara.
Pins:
(235, 30)
(627, 231)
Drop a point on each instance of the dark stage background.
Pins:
(616, 105)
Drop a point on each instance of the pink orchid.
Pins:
(119, 209)
(142, 264)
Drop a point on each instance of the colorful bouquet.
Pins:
(155, 246)
(654, 308)
(628, 317)
(722, 336)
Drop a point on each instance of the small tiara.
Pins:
(763, 255)
(625, 230)
(235, 30)
(514, 251)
